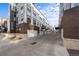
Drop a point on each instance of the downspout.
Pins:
(60, 20)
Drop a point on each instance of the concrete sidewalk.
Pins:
(5, 41)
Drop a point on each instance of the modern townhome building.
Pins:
(70, 24)
(30, 20)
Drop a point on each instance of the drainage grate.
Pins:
(19, 38)
(33, 43)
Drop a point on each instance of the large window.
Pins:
(28, 20)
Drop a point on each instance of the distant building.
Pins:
(4, 24)
(4, 21)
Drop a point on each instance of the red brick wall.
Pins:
(23, 27)
(70, 23)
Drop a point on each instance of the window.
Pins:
(43, 27)
(29, 9)
(22, 19)
(34, 13)
(22, 7)
(34, 22)
(28, 4)
(40, 18)
(16, 12)
(28, 20)
(0, 27)
(38, 24)
(16, 19)
(16, 3)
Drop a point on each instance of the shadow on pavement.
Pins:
(73, 52)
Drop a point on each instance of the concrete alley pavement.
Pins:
(44, 45)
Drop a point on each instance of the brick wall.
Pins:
(70, 23)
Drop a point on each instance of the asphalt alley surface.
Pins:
(44, 45)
